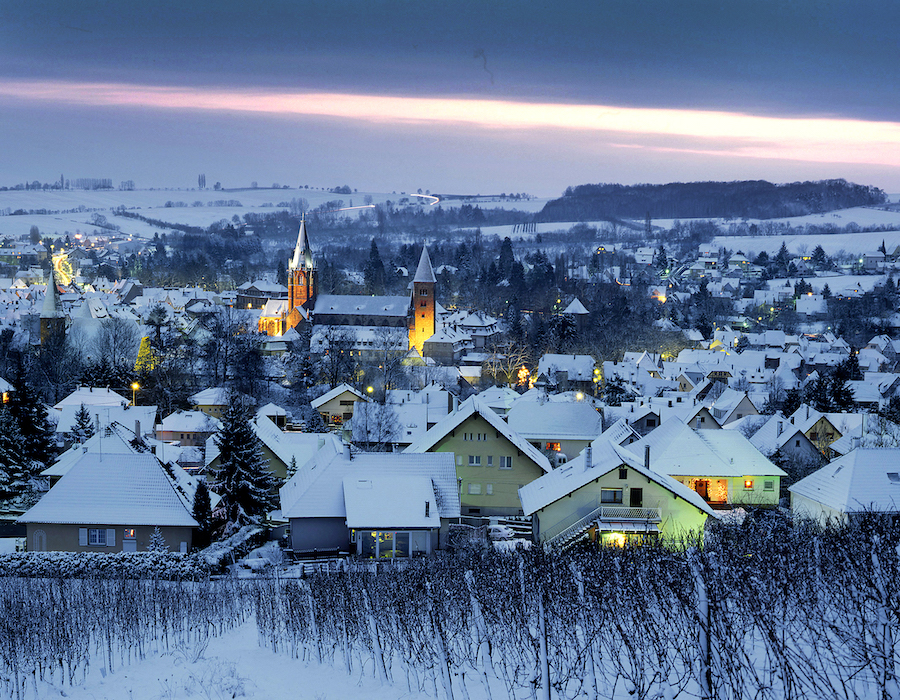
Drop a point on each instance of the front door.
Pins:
(636, 500)
(702, 487)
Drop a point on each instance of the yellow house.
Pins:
(336, 406)
(608, 496)
(492, 461)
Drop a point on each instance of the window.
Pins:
(611, 495)
(474, 460)
(506, 462)
(474, 489)
(97, 537)
(623, 474)
(423, 303)
(768, 486)
(129, 533)
(796, 443)
(894, 477)
(553, 446)
(702, 419)
(651, 422)
(814, 436)
(458, 460)
(748, 484)
(489, 489)
(423, 292)
(740, 415)
(490, 461)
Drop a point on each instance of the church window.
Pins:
(423, 292)
(423, 303)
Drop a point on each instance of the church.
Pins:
(413, 315)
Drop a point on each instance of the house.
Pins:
(776, 435)
(110, 503)
(92, 396)
(720, 465)
(556, 427)
(187, 428)
(822, 429)
(492, 460)
(336, 406)
(216, 400)
(862, 481)
(280, 449)
(143, 417)
(377, 505)
(568, 372)
(731, 405)
(607, 495)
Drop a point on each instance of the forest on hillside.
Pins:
(755, 199)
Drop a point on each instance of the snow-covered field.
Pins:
(852, 243)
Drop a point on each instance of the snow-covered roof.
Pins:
(104, 415)
(577, 367)
(576, 420)
(424, 273)
(334, 393)
(189, 422)
(92, 396)
(317, 489)
(217, 396)
(121, 489)
(605, 456)
(864, 479)
(466, 410)
(576, 308)
(376, 501)
(677, 450)
(361, 305)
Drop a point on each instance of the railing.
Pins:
(566, 528)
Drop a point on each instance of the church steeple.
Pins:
(422, 326)
(53, 320)
(302, 278)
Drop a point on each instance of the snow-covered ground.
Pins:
(832, 244)
(231, 666)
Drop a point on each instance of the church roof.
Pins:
(424, 273)
(51, 299)
(302, 251)
(361, 305)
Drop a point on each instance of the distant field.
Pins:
(152, 205)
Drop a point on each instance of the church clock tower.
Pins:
(303, 283)
(421, 322)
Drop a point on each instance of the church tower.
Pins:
(53, 320)
(421, 322)
(302, 278)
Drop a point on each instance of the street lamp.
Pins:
(134, 387)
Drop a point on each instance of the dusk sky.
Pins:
(466, 97)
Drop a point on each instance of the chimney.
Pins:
(320, 443)
(807, 411)
(588, 457)
(427, 509)
(137, 429)
(698, 423)
(780, 429)
(347, 454)
(647, 456)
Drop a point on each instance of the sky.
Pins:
(453, 97)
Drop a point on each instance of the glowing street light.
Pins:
(134, 387)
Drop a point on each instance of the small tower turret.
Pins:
(422, 311)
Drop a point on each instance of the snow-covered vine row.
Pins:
(55, 629)
(765, 610)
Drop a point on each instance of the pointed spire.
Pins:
(51, 298)
(424, 273)
(302, 251)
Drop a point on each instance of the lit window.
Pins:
(474, 489)
(506, 462)
(474, 460)
(129, 533)
(610, 495)
(553, 446)
(748, 484)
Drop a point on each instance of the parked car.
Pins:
(500, 532)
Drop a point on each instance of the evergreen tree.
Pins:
(14, 471)
(157, 542)
(202, 512)
(292, 467)
(826, 291)
(30, 416)
(242, 479)
(83, 428)
(506, 258)
(374, 271)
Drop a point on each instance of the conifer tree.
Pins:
(31, 419)
(83, 428)
(243, 478)
(202, 512)
(14, 471)
(157, 542)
